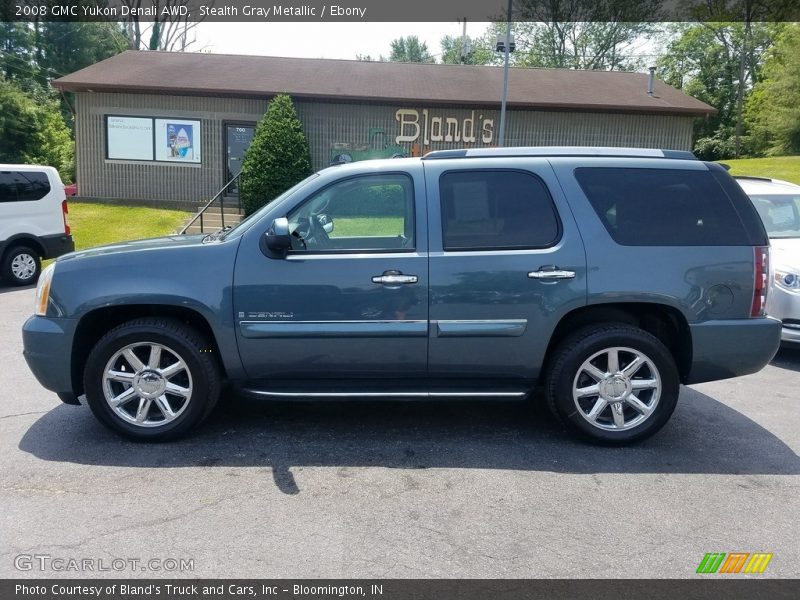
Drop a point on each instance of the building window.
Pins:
(153, 139)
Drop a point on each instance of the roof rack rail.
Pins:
(546, 151)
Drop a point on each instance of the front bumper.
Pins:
(47, 348)
(732, 347)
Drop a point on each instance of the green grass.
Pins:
(776, 167)
(367, 226)
(99, 224)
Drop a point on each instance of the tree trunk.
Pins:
(740, 91)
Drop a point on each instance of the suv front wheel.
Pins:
(612, 384)
(152, 379)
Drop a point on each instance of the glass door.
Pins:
(237, 137)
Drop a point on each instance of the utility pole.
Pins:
(464, 49)
(507, 51)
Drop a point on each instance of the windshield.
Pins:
(242, 226)
(780, 214)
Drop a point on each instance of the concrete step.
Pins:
(211, 223)
(209, 217)
(213, 215)
(231, 209)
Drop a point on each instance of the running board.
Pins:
(363, 391)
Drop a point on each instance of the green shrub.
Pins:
(33, 131)
(278, 157)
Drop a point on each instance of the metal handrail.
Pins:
(219, 195)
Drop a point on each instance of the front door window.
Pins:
(369, 213)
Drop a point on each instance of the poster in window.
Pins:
(178, 140)
(129, 138)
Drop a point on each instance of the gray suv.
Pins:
(605, 276)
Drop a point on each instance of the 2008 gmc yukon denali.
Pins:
(608, 276)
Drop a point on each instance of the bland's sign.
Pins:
(469, 130)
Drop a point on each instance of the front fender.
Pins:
(192, 277)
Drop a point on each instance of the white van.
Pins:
(33, 221)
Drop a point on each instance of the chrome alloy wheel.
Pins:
(23, 266)
(147, 384)
(617, 389)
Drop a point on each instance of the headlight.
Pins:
(787, 280)
(43, 290)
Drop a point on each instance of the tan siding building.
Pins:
(163, 127)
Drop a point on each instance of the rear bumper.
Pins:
(57, 245)
(730, 348)
(47, 348)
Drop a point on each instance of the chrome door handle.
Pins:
(551, 274)
(394, 279)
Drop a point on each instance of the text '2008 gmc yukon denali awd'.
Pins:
(608, 276)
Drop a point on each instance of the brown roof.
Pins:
(239, 75)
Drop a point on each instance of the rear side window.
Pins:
(23, 186)
(662, 207)
(494, 210)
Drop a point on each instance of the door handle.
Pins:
(551, 274)
(394, 279)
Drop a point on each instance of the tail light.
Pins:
(760, 281)
(65, 213)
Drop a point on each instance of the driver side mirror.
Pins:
(277, 237)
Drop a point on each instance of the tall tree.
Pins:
(579, 34)
(66, 47)
(410, 50)
(32, 130)
(773, 110)
(17, 53)
(745, 44)
(33, 54)
(705, 60)
(456, 51)
(170, 30)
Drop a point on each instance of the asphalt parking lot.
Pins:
(478, 489)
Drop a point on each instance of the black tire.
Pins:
(202, 372)
(11, 260)
(564, 371)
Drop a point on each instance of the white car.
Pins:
(33, 221)
(778, 203)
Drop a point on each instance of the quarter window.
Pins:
(496, 210)
(370, 213)
(662, 207)
(23, 186)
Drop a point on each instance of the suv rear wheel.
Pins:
(152, 379)
(612, 384)
(21, 266)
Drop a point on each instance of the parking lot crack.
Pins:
(35, 412)
(143, 525)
